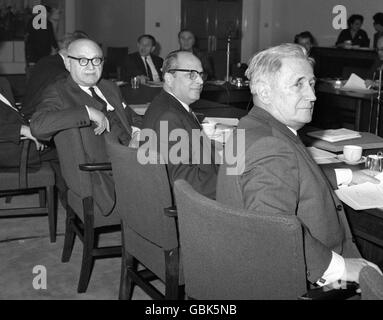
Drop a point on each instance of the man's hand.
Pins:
(25, 133)
(353, 268)
(100, 120)
(362, 176)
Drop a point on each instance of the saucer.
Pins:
(341, 158)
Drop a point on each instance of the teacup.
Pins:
(352, 153)
(208, 128)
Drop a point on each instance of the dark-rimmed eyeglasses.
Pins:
(84, 61)
(193, 74)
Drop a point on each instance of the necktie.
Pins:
(148, 70)
(195, 118)
(99, 99)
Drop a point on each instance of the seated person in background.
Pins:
(354, 35)
(378, 25)
(377, 65)
(13, 129)
(83, 100)
(45, 72)
(275, 172)
(143, 63)
(186, 40)
(306, 40)
(182, 72)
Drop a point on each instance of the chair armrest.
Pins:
(171, 211)
(334, 294)
(95, 166)
(23, 164)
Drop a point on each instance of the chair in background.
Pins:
(84, 218)
(371, 284)
(144, 201)
(114, 62)
(235, 254)
(25, 180)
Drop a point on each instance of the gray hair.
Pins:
(264, 65)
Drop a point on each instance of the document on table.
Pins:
(232, 122)
(357, 84)
(363, 196)
(335, 135)
(322, 156)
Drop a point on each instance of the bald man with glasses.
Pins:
(183, 80)
(83, 100)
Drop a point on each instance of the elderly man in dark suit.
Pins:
(275, 172)
(47, 70)
(183, 78)
(143, 63)
(84, 101)
(13, 129)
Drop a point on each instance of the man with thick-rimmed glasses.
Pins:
(84, 100)
(183, 80)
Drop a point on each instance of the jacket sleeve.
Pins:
(270, 183)
(53, 114)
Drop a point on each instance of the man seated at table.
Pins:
(378, 26)
(183, 76)
(305, 39)
(83, 100)
(276, 173)
(377, 65)
(45, 72)
(186, 40)
(143, 63)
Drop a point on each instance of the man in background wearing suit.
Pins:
(84, 101)
(183, 77)
(278, 175)
(186, 40)
(45, 72)
(143, 63)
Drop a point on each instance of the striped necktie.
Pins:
(148, 70)
(99, 99)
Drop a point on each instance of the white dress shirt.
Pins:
(155, 75)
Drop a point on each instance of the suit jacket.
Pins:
(278, 175)
(62, 107)
(45, 72)
(134, 66)
(11, 121)
(361, 38)
(202, 177)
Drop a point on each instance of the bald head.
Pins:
(85, 75)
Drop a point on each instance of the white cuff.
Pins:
(334, 271)
(343, 177)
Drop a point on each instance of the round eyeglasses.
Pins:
(84, 61)
(193, 74)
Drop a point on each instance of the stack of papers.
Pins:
(356, 83)
(363, 196)
(335, 135)
(322, 156)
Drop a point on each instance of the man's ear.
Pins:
(67, 62)
(263, 91)
(168, 79)
(152, 49)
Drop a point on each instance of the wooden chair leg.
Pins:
(69, 235)
(172, 274)
(52, 213)
(87, 256)
(42, 198)
(127, 261)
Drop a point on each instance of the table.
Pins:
(366, 227)
(208, 108)
(225, 94)
(370, 142)
(336, 108)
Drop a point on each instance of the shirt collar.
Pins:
(293, 130)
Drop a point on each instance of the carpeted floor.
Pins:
(24, 245)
